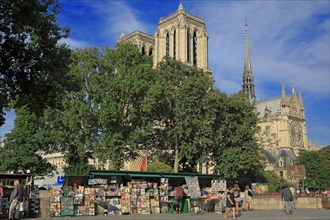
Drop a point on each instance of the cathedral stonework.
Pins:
(180, 35)
(282, 133)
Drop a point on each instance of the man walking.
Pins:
(16, 197)
(179, 198)
(287, 197)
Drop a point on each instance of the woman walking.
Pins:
(248, 198)
(231, 203)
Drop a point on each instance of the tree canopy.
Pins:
(33, 65)
(22, 152)
(237, 154)
(317, 169)
(119, 106)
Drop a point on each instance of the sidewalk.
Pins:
(298, 214)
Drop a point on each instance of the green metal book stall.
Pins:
(132, 192)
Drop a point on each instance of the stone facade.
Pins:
(282, 132)
(281, 121)
(180, 35)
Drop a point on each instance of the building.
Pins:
(281, 121)
(180, 35)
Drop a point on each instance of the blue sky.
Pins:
(289, 42)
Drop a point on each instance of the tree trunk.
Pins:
(176, 160)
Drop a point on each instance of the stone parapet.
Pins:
(267, 202)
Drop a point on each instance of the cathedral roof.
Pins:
(137, 33)
(181, 10)
(270, 157)
(270, 106)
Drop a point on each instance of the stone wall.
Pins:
(277, 203)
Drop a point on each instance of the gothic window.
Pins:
(296, 134)
(195, 49)
(174, 44)
(188, 46)
(150, 51)
(143, 50)
(167, 45)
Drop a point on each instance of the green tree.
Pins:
(124, 121)
(184, 112)
(22, 152)
(325, 152)
(237, 154)
(158, 166)
(275, 183)
(317, 169)
(33, 65)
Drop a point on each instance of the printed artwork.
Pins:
(193, 187)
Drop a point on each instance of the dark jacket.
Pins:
(287, 195)
(17, 193)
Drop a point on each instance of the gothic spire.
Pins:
(300, 98)
(248, 78)
(293, 88)
(180, 8)
(283, 90)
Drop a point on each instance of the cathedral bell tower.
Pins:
(248, 78)
(182, 36)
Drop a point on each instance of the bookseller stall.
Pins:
(130, 192)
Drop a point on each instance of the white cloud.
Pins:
(74, 43)
(289, 41)
(119, 18)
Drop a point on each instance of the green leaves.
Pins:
(317, 169)
(237, 154)
(22, 150)
(33, 66)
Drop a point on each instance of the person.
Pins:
(1, 195)
(230, 203)
(287, 197)
(237, 193)
(179, 197)
(248, 198)
(294, 194)
(16, 197)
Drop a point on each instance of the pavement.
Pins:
(298, 214)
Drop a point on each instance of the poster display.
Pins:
(193, 187)
(54, 202)
(67, 208)
(259, 188)
(218, 185)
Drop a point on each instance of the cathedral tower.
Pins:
(182, 36)
(248, 78)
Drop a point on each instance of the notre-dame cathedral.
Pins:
(282, 122)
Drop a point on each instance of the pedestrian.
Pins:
(287, 197)
(248, 198)
(179, 198)
(230, 203)
(1, 195)
(295, 196)
(238, 200)
(16, 197)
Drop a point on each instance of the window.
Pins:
(143, 51)
(188, 46)
(281, 163)
(195, 49)
(174, 44)
(150, 52)
(167, 45)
